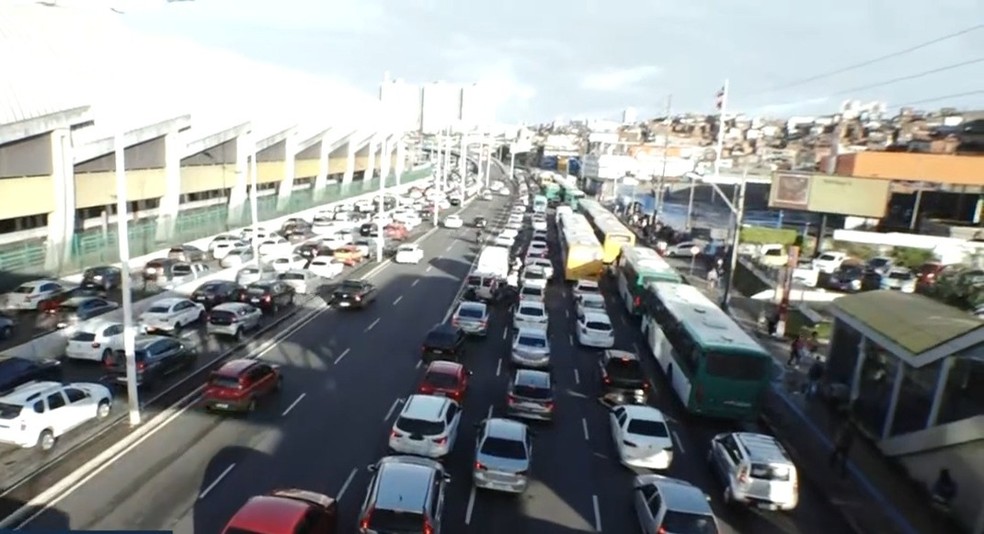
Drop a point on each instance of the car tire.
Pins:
(201, 316)
(102, 411)
(238, 335)
(280, 385)
(46, 440)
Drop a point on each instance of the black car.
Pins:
(16, 371)
(187, 253)
(156, 357)
(854, 278)
(268, 296)
(215, 292)
(308, 250)
(480, 222)
(443, 342)
(622, 378)
(78, 309)
(104, 277)
(369, 230)
(354, 294)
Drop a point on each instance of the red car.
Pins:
(396, 232)
(448, 379)
(290, 511)
(240, 384)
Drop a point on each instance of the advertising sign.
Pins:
(821, 193)
(790, 191)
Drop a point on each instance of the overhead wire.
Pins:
(908, 77)
(942, 97)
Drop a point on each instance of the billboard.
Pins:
(822, 193)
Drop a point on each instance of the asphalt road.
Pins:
(345, 377)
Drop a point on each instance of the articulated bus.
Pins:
(580, 249)
(611, 232)
(635, 269)
(715, 368)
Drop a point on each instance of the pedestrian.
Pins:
(842, 447)
(712, 278)
(795, 350)
(814, 375)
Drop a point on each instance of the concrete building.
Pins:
(441, 107)
(402, 102)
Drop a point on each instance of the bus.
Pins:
(551, 190)
(635, 268)
(580, 249)
(539, 204)
(611, 232)
(713, 366)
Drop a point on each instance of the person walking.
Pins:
(712, 278)
(814, 376)
(796, 349)
(842, 447)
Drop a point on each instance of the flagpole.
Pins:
(722, 104)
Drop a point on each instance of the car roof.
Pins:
(22, 393)
(229, 306)
(269, 513)
(167, 301)
(499, 427)
(235, 367)
(621, 354)
(95, 325)
(528, 331)
(533, 378)
(425, 407)
(404, 482)
(679, 495)
(444, 367)
(642, 411)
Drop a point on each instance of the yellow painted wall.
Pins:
(196, 178)
(306, 168)
(99, 188)
(337, 165)
(269, 171)
(21, 197)
(361, 162)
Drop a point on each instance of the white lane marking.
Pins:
(570, 339)
(635, 346)
(471, 506)
(584, 426)
(489, 416)
(419, 363)
(415, 282)
(505, 334)
(398, 299)
(216, 482)
(342, 355)
(567, 314)
(498, 368)
(346, 484)
(577, 377)
(293, 404)
(451, 246)
(392, 409)
(679, 442)
(597, 512)
(428, 269)
(373, 324)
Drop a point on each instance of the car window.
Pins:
(504, 448)
(55, 401)
(532, 341)
(646, 427)
(598, 325)
(419, 426)
(441, 380)
(531, 311)
(777, 472)
(75, 395)
(452, 412)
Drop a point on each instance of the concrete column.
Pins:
(401, 159)
(893, 403)
(170, 203)
(237, 193)
(286, 186)
(321, 180)
(934, 410)
(387, 159)
(349, 162)
(61, 221)
(858, 366)
(370, 171)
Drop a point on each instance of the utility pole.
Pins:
(658, 208)
(122, 233)
(729, 279)
(722, 105)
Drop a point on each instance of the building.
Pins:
(630, 116)
(440, 107)
(477, 106)
(402, 102)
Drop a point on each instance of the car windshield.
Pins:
(599, 326)
(900, 275)
(224, 382)
(181, 269)
(83, 337)
(419, 426)
(593, 304)
(878, 262)
(777, 472)
(292, 276)
(646, 427)
(441, 380)
(24, 290)
(531, 311)
(534, 275)
(257, 290)
(587, 289)
(396, 521)
(532, 341)
(351, 285)
(532, 291)
(532, 392)
(504, 448)
(827, 257)
(158, 309)
(250, 270)
(687, 523)
(470, 312)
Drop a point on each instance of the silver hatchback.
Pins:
(233, 318)
(503, 455)
(531, 348)
(472, 318)
(530, 395)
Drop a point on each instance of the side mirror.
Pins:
(447, 479)
(470, 373)
(371, 468)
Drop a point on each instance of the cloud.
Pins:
(496, 68)
(619, 80)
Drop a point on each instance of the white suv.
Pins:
(427, 426)
(38, 413)
(755, 470)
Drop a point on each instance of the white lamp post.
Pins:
(254, 204)
(122, 239)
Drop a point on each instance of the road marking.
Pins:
(505, 334)
(577, 377)
(419, 363)
(415, 282)
(567, 314)
(471, 505)
(570, 339)
(398, 299)
(679, 442)
(428, 269)
(342, 355)
(451, 246)
(392, 409)
(345, 485)
(373, 324)
(584, 426)
(597, 512)
(215, 482)
(498, 367)
(295, 403)
(489, 415)
(635, 347)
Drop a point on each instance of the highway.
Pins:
(345, 377)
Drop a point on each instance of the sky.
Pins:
(550, 59)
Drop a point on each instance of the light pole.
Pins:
(512, 160)
(488, 163)
(463, 161)
(739, 212)
(254, 204)
(438, 182)
(384, 171)
(122, 239)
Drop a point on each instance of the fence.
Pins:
(26, 260)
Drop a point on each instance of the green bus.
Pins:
(572, 196)
(551, 190)
(714, 367)
(635, 268)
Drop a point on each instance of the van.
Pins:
(755, 470)
(493, 261)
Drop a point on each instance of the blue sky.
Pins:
(570, 58)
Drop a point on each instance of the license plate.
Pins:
(344, 304)
(222, 406)
(254, 300)
(438, 351)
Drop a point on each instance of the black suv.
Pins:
(354, 294)
(104, 277)
(16, 371)
(622, 378)
(156, 358)
(443, 342)
(215, 292)
(480, 222)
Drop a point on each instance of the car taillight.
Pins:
(95, 344)
(395, 434)
(608, 380)
(455, 322)
(511, 399)
(266, 298)
(548, 405)
(428, 529)
(743, 476)
(661, 530)
(480, 467)
(636, 301)
(366, 519)
(440, 441)
(141, 366)
(645, 385)
(426, 389)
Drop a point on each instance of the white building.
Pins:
(630, 116)
(477, 106)
(440, 107)
(402, 103)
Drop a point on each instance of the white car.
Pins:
(255, 273)
(274, 247)
(427, 426)
(222, 249)
(540, 224)
(509, 233)
(806, 273)
(38, 413)
(641, 437)
(539, 235)
(303, 281)
(542, 263)
(531, 349)
(534, 276)
(409, 253)
(682, 250)
(326, 267)
(30, 295)
(503, 241)
(337, 240)
(532, 293)
(453, 222)
(504, 191)
(95, 340)
(537, 247)
(170, 315)
(530, 314)
(514, 227)
(590, 302)
(249, 235)
(288, 263)
(220, 239)
(324, 226)
(594, 329)
(828, 262)
(584, 287)
(237, 256)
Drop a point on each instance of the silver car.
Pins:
(472, 318)
(530, 395)
(253, 273)
(303, 281)
(233, 318)
(665, 504)
(531, 348)
(503, 455)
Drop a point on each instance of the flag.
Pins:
(719, 99)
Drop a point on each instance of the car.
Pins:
(233, 319)
(539, 235)
(409, 253)
(443, 342)
(480, 222)
(255, 273)
(220, 249)
(95, 340)
(286, 511)
(445, 379)
(77, 310)
(530, 314)
(326, 267)
(542, 263)
(594, 329)
(583, 287)
(453, 222)
(38, 413)
(251, 234)
(540, 224)
(641, 436)
(184, 273)
(532, 293)
(828, 262)
(239, 385)
(534, 276)
(530, 395)
(222, 239)
(215, 292)
(269, 296)
(16, 371)
(349, 255)
(156, 358)
(170, 315)
(486, 195)
(237, 256)
(274, 246)
(426, 426)
(104, 277)
(623, 379)
(665, 504)
(880, 264)
(405, 494)
(503, 455)
(806, 273)
(531, 348)
(288, 263)
(899, 279)
(472, 318)
(539, 247)
(7, 325)
(590, 302)
(32, 295)
(303, 281)
(503, 241)
(755, 470)
(354, 294)
(187, 254)
(483, 287)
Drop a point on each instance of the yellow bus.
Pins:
(612, 234)
(580, 249)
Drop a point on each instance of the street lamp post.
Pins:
(254, 203)
(438, 181)
(512, 160)
(739, 212)
(122, 239)
(384, 171)
(488, 163)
